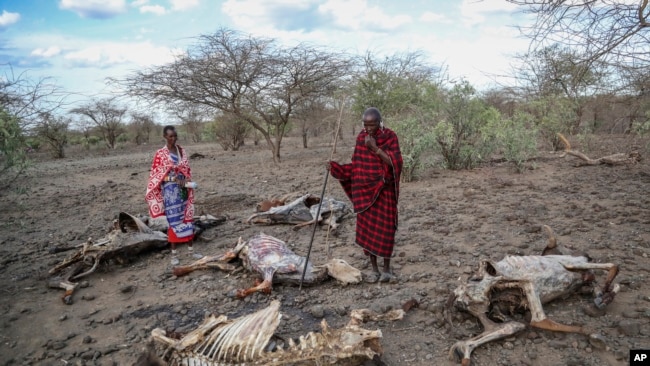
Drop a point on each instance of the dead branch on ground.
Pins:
(632, 157)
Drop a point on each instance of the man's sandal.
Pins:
(386, 277)
(372, 277)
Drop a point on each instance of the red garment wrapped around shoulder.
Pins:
(160, 168)
(365, 177)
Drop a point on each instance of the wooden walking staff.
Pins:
(320, 204)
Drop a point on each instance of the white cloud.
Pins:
(94, 8)
(255, 14)
(48, 52)
(154, 9)
(475, 11)
(180, 5)
(431, 17)
(139, 3)
(359, 15)
(111, 54)
(7, 18)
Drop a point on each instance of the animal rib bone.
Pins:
(224, 342)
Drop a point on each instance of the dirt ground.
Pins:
(448, 221)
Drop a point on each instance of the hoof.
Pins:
(456, 353)
(597, 341)
(593, 311)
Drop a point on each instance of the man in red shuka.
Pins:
(371, 181)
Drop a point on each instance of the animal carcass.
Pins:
(249, 341)
(302, 211)
(518, 283)
(129, 237)
(276, 263)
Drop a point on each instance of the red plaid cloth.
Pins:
(373, 187)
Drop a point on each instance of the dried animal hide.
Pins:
(276, 263)
(129, 237)
(518, 283)
(248, 341)
(301, 212)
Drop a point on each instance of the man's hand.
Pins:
(371, 143)
(328, 165)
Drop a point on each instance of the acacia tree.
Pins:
(612, 31)
(393, 84)
(53, 131)
(557, 71)
(142, 124)
(22, 101)
(28, 99)
(193, 117)
(254, 79)
(107, 116)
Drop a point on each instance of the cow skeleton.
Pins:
(526, 282)
(247, 341)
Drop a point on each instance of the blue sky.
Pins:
(81, 42)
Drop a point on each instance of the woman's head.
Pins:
(372, 120)
(169, 133)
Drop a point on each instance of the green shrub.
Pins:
(123, 138)
(228, 131)
(94, 140)
(33, 143)
(13, 149)
(415, 138)
(553, 115)
(461, 136)
(517, 138)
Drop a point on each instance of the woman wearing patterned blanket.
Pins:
(371, 181)
(168, 195)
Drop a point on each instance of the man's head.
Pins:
(371, 120)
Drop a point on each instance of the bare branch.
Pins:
(254, 79)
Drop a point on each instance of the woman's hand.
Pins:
(181, 182)
(371, 143)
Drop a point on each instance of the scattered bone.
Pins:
(245, 340)
(276, 263)
(515, 283)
